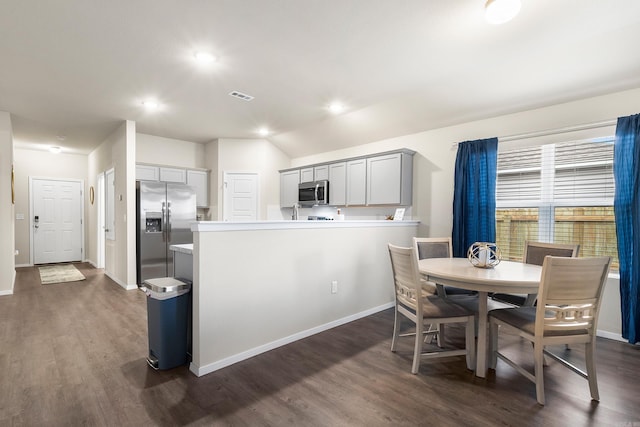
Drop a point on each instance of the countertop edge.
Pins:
(186, 248)
(205, 226)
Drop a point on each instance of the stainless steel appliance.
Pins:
(165, 212)
(313, 193)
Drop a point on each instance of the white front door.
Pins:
(240, 196)
(56, 220)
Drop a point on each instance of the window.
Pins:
(559, 193)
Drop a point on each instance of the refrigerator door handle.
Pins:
(168, 221)
(164, 220)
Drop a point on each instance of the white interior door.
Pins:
(240, 196)
(56, 220)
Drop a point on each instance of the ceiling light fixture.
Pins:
(204, 57)
(336, 108)
(263, 132)
(501, 11)
(55, 150)
(151, 105)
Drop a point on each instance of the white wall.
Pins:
(7, 231)
(170, 152)
(42, 164)
(252, 155)
(118, 152)
(255, 290)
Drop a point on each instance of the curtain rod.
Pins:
(556, 131)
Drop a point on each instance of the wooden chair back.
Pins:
(535, 252)
(406, 277)
(433, 247)
(570, 294)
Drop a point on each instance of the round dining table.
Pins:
(506, 277)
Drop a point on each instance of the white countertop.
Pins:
(301, 224)
(186, 248)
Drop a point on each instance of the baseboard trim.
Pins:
(211, 367)
(610, 335)
(122, 284)
(24, 265)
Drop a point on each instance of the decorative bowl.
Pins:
(484, 255)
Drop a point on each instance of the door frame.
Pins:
(82, 219)
(100, 218)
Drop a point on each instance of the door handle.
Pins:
(164, 220)
(36, 221)
(168, 221)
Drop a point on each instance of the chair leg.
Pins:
(493, 345)
(428, 338)
(396, 330)
(441, 335)
(538, 360)
(591, 368)
(470, 343)
(417, 350)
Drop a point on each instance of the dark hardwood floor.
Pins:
(74, 354)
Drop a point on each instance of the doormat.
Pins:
(59, 274)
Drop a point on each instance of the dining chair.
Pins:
(438, 247)
(566, 313)
(413, 303)
(534, 253)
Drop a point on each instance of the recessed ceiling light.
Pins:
(55, 150)
(336, 108)
(263, 132)
(151, 105)
(204, 57)
(501, 11)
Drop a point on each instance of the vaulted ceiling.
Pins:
(72, 70)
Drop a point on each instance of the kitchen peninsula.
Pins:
(261, 285)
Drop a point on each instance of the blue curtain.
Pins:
(626, 172)
(474, 194)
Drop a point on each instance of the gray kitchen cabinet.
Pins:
(389, 179)
(337, 183)
(321, 172)
(289, 181)
(147, 173)
(306, 175)
(356, 182)
(199, 180)
(173, 175)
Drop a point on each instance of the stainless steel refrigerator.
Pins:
(165, 212)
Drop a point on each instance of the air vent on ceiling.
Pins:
(241, 95)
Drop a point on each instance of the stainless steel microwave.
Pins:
(313, 193)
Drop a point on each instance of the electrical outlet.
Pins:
(334, 287)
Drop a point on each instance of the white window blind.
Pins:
(559, 193)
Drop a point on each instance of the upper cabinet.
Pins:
(321, 172)
(337, 183)
(173, 175)
(356, 182)
(306, 175)
(389, 179)
(289, 181)
(199, 180)
(147, 173)
(379, 179)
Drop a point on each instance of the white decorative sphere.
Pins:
(484, 255)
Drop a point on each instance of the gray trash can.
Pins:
(169, 320)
